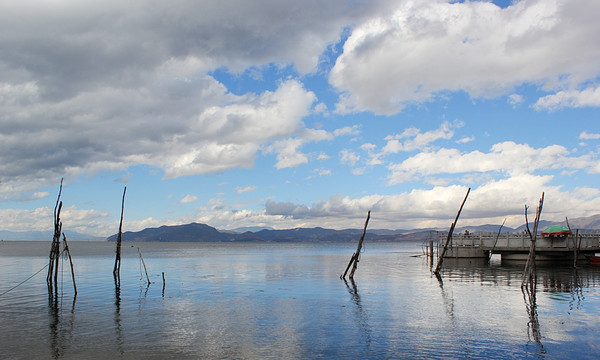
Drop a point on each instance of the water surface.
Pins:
(285, 300)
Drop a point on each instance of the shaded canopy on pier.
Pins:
(556, 230)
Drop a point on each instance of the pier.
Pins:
(515, 246)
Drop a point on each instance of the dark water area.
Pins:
(273, 300)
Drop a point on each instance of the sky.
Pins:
(284, 114)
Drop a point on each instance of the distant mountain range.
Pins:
(204, 233)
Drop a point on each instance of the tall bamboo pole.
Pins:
(441, 256)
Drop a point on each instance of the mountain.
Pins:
(204, 233)
(187, 233)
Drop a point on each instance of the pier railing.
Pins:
(520, 242)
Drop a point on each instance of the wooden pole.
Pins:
(354, 259)
(577, 245)
(441, 257)
(143, 263)
(497, 236)
(430, 252)
(71, 262)
(530, 264)
(117, 268)
(52, 277)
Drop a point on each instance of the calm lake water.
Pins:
(286, 301)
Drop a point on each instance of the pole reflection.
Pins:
(361, 314)
(529, 297)
(118, 330)
(61, 331)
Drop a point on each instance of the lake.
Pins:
(286, 301)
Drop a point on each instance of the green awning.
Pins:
(554, 230)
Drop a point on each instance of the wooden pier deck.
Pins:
(515, 246)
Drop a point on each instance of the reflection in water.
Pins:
(61, 333)
(529, 297)
(363, 321)
(118, 330)
(448, 300)
(577, 294)
(285, 301)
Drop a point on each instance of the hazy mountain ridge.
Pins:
(205, 233)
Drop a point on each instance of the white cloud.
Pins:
(507, 157)
(87, 221)
(88, 87)
(348, 157)
(465, 140)
(515, 99)
(426, 48)
(569, 98)
(288, 154)
(322, 156)
(589, 136)
(245, 189)
(35, 196)
(288, 150)
(419, 140)
(188, 199)
(491, 202)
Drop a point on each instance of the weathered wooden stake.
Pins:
(497, 236)
(143, 263)
(52, 277)
(577, 245)
(354, 259)
(71, 262)
(117, 268)
(441, 256)
(430, 253)
(530, 264)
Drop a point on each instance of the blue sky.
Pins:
(284, 114)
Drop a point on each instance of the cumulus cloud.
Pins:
(425, 48)
(507, 157)
(491, 201)
(89, 87)
(589, 97)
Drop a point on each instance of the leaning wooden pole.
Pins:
(117, 268)
(71, 262)
(354, 259)
(442, 253)
(143, 263)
